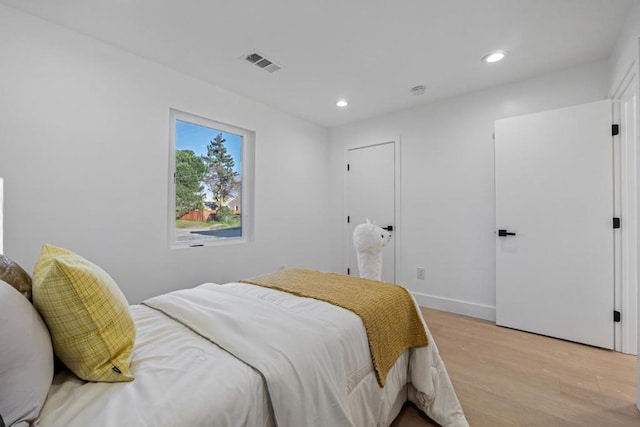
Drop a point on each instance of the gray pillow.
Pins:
(26, 358)
(13, 274)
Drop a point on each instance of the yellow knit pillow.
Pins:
(87, 315)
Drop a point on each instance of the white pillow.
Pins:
(26, 359)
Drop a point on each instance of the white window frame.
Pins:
(247, 174)
(1, 213)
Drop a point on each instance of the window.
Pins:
(211, 182)
(1, 207)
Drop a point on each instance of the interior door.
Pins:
(554, 205)
(370, 193)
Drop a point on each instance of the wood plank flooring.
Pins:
(505, 377)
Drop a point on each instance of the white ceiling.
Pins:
(368, 51)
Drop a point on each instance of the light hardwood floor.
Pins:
(505, 377)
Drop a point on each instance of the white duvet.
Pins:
(182, 379)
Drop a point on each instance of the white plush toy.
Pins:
(369, 239)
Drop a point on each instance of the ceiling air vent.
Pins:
(262, 62)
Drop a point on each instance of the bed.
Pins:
(240, 354)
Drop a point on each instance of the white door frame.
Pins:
(625, 206)
(397, 229)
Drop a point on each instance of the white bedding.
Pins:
(182, 379)
(304, 359)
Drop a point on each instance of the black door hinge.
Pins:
(348, 219)
(616, 316)
(616, 222)
(348, 167)
(615, 130)
(348, 271)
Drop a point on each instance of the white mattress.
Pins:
(182, 379)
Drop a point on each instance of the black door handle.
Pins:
(504, 233)
(388, 228)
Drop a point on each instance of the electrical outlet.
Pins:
(282, 267)
(420, 273)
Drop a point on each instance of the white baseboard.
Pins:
(465, 308)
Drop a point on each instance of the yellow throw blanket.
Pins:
(387, 311)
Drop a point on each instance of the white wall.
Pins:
(84, 131)
(447, 176)
(625, 52)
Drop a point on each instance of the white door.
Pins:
(554, 191)
(371, 193)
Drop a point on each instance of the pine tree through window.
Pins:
(210, 182)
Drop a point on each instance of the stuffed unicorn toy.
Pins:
(369, 239)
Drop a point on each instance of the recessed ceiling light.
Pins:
(494, 56)
(342, 103)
